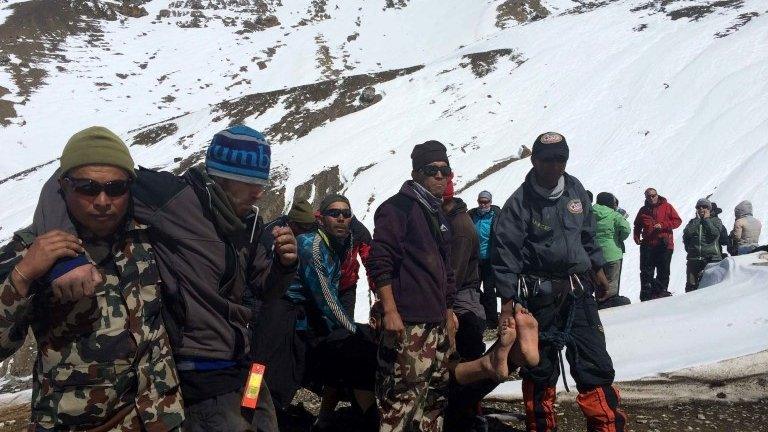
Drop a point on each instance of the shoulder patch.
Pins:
(575, 207)
(551, 138)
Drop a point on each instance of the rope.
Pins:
(560, 339)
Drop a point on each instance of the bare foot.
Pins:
(525, 351)
(500, 351)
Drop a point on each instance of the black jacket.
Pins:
(539, 237)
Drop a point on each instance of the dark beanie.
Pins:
(607, 199)
(428, 152)
(333, 198)
(301, 212)
(550, 144)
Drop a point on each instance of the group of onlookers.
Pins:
(165, 303)
(704, 238)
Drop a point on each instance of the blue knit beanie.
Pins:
(239, 153)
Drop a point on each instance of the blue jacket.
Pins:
(484, 227)
(316, 285)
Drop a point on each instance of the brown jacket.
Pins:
(205, 272)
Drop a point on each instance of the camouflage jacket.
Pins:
(103, 359)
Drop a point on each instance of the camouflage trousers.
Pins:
(412, 378)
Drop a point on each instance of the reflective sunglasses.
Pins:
(335, 213)
(431, 170)
(92, 188)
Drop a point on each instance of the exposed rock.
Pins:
(498, 166)
(521, 11)
(483, 63)
(741, 21)
(368, 95)
(340, 97)
(154, 134)
(20, 364)
(323, 183)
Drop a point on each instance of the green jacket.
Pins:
(702, 239)
(612, 230)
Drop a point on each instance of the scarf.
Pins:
(429, 201)
(549, 194)
(220, 206)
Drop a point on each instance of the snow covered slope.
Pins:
(667, 94)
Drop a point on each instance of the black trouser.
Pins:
(591, 365)
(223, 413)
(469, 337)
(463, 400)
(694, 269)
(347, 299)
(654, 259)
(488, 295)
(276, 344)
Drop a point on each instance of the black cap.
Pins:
(428, 152)
(550, 144)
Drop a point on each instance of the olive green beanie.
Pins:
(301, 212)
(96, 145)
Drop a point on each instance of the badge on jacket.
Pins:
(575, 207)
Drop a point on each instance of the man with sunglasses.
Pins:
(653, 228)
(483, 217)
(410, 265)
(341, 355)
(210, 247)
(547, 261)
(104, 359)
(702, 238)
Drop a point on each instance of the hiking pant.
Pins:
(488, 296)
(613, 273)
(694, 270)
(223, 413)
(347, 299)
(463, 401)
(590, 364)
(654, 259)
(412, 378)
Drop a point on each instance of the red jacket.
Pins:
(649, 215)
(361, 245)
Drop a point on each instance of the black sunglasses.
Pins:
(92, 188)
(335, 213)
(432, 170)
(556, 159)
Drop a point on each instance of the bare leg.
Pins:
(525, 351)
(492, 365)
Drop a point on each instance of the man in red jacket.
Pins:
(653, 232)
(350, 267)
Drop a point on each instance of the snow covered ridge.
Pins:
(668, 94)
